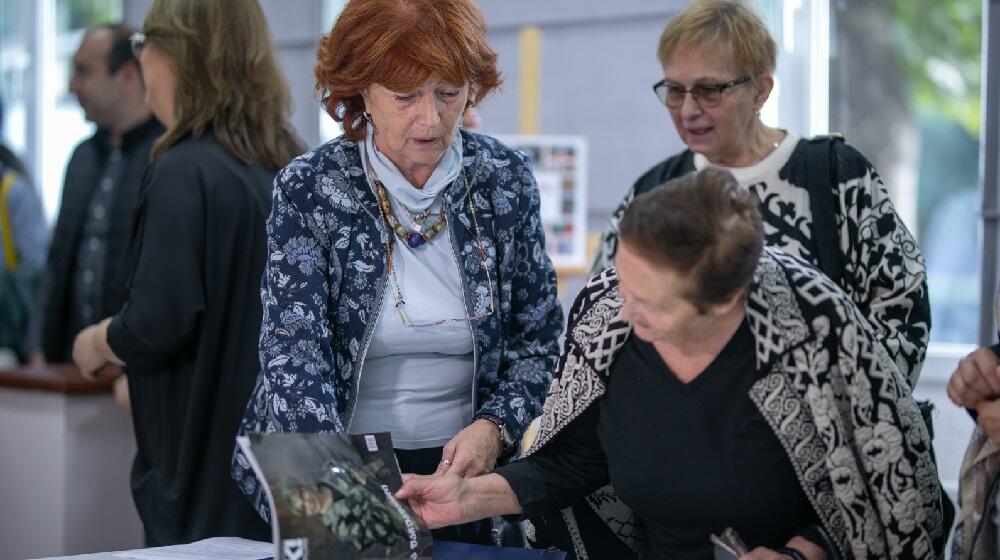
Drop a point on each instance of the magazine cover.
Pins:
(332, 497)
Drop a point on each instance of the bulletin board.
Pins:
(560, 166)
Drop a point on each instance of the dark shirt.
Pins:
(60, 303)
(86, 297)
(689, 459)
(188, 334)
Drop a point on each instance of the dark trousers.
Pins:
(425, 461)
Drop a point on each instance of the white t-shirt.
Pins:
(764, 180)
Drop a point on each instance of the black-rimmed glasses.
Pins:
(706, 95)
(138, 42)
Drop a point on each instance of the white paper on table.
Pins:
(216, 548)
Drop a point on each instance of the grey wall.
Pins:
(598, 65)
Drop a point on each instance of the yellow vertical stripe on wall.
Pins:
(531, 70)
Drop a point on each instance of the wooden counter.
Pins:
(57, 378)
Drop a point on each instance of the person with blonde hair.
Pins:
(821, 199)
(187, 333)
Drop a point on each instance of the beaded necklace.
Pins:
(418, 235)
(386, 212)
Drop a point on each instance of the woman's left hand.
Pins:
(473, 451)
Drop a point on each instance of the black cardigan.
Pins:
(188, 334)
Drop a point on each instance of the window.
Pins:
(43, 121)
(16, 84)
(901, 80)
(329, 128)
(905, 89)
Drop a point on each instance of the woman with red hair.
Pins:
(407, 288)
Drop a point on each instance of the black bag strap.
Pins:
(821, 179)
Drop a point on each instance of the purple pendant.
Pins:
(415, 240)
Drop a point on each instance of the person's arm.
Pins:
(533, 322)
(567, 469)
(883, 266)
(28, 223)
(33, 339)
(293, 392)
(31, 245)
(166, 299)
(440, 501)
(976, 378)
(38, 326)
(295, 353)
(885, 455)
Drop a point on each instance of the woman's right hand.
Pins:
(436, 499)
(442, 500)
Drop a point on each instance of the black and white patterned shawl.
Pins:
(829, 390)
(884, 271)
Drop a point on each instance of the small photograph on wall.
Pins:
(560, 166)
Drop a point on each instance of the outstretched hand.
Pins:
(436, 499)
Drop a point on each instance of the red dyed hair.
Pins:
(399, 44)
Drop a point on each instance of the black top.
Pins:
(55, 329)
(689, 459)
(188, 334)
(86, 293)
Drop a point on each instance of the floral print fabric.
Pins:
(326, 277)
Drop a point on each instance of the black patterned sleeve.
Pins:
(886, 438)
(608, 245)
(883, 266)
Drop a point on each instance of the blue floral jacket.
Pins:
(326, 277)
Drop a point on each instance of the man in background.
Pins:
(100, 194)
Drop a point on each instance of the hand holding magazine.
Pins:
(331, 496)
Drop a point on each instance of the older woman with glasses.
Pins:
(821, 199)
(407, 288)
(720, 387)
